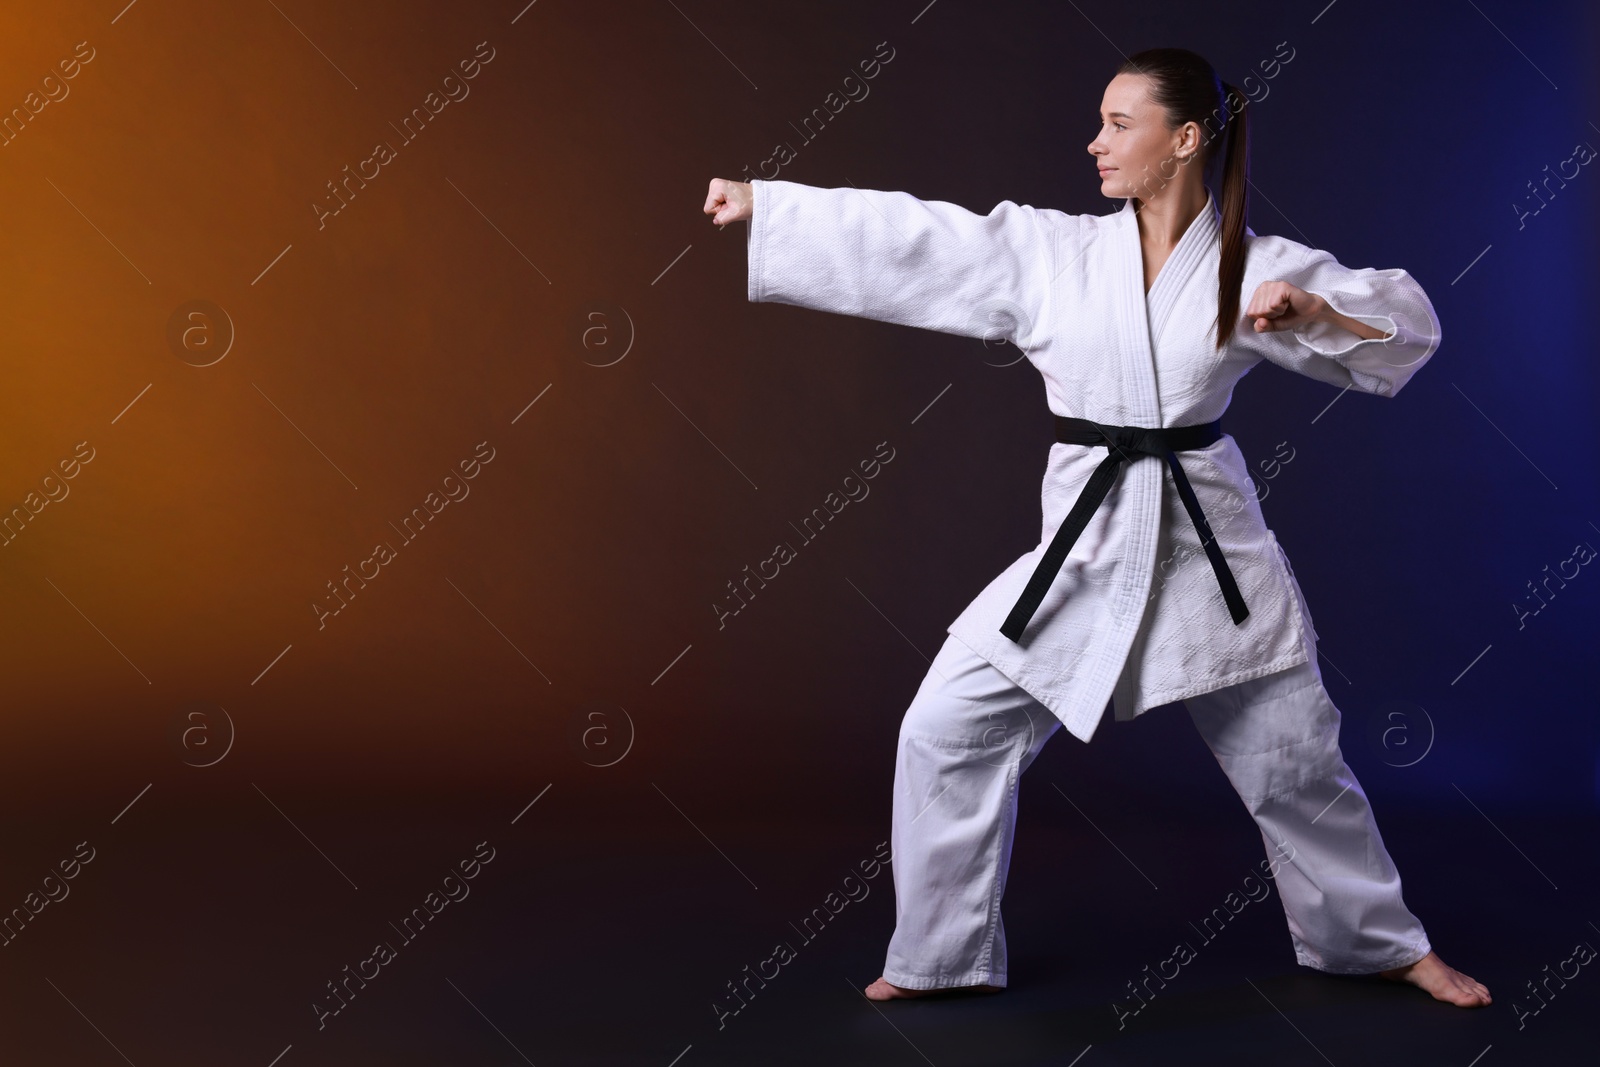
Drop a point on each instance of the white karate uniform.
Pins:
(1135, 618)
(1135, 615)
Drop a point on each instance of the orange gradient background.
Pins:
(376, 349)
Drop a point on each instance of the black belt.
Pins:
(1124, 444)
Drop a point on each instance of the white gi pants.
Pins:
(969, 734)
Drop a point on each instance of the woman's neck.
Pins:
(1163, 220)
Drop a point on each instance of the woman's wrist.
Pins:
(1325, 313)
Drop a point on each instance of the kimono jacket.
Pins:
(1135, 617)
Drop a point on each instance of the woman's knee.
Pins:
(965, 702)
(1289, 709)
(1273, 735)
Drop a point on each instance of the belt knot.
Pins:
(1133, 441)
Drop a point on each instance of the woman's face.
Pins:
(1135, 151)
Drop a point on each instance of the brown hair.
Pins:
(1187, 89)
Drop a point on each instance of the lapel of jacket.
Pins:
(1190, 252)
(1143, 316)
(1138, 371)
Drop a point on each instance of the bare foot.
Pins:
(1443, 981)
(882, 990)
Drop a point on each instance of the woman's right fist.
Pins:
(729, 201)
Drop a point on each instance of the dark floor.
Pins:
(614, 945)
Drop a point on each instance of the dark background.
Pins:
(551, 639)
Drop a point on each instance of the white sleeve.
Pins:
(1388, 300)
(891, 257)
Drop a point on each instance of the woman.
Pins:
(1156, 579)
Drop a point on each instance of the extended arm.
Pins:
(892, 257)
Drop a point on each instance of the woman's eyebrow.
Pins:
(1117, 115)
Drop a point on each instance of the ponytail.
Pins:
(1235, 184)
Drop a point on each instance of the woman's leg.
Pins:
(967, 736)
(1277, 739)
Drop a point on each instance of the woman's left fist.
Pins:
(1281, 306)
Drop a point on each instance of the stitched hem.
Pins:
(906, 980)
(1414, 953)
(1171, 696)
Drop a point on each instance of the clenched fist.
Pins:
(1282, 306)
(729, 201)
